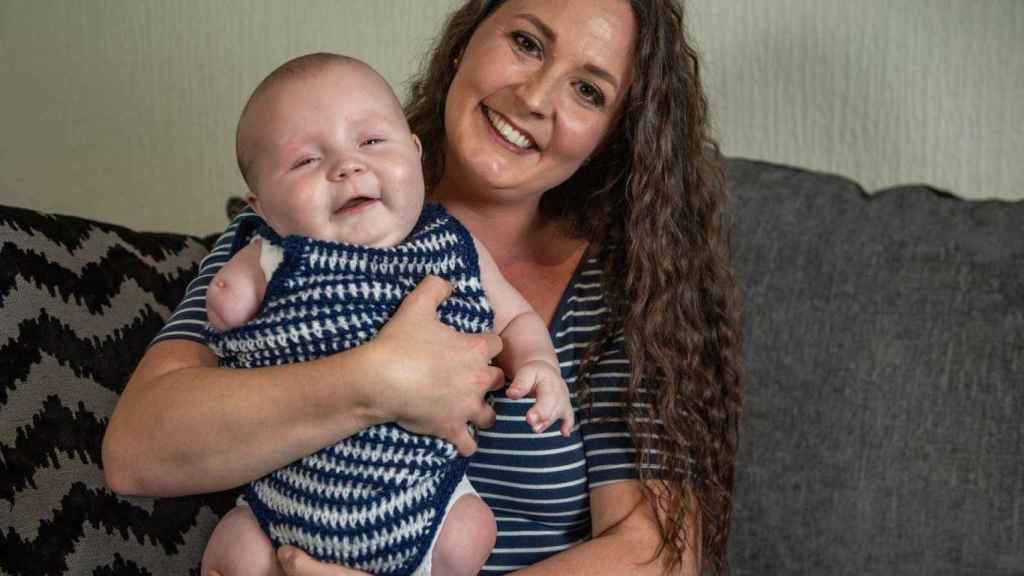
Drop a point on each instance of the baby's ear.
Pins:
(419, 146)
(255, 203)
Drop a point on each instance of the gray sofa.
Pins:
(884, 353)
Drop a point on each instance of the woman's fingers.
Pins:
(483, 416)
(429, 378)
(295, 562)
(427, 296)
(492, 345)
(464, 442)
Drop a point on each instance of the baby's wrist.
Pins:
(542, 361)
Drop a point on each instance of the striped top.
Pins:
(536, 484)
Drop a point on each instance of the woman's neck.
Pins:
(509, 229)
(535, 254)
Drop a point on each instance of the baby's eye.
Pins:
(372, 141)
(304, 162)
(526, 43)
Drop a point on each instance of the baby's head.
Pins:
(326, 152)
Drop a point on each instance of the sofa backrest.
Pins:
(884, 359)
(884, 352)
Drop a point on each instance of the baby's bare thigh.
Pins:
(239, 547)
(466, 539)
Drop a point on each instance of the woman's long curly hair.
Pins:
(652, 201)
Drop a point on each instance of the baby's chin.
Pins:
(366, 238)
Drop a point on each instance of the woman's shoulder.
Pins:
(243, 226)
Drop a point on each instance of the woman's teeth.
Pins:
(514, 136)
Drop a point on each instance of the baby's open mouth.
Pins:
(355, 203)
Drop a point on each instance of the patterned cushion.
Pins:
(79, 302)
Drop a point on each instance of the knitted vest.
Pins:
(375, 500)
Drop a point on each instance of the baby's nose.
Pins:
(347, 168)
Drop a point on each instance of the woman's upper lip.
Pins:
(517, 127)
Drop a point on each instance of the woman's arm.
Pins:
(183, 425)
(624, 538)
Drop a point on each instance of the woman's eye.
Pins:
(526, 43)
(592, 94)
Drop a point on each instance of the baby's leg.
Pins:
(466, 539)
(239, 546)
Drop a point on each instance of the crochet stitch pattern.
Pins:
(374, 500)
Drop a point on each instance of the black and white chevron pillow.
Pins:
(79, 302)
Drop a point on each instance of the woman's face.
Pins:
(538, 87)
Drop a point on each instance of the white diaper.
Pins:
(463, 487)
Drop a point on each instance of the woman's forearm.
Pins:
(611, 554)
(185, 426)
(626, 539)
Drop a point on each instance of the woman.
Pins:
(571, 139)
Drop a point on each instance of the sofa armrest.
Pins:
(79, 302)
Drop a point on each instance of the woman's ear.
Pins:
(419, 145)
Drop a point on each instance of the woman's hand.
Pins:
(295, 562)
(432, 379)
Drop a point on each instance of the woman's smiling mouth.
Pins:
(507, 132)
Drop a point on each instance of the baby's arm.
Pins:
(236, 291)
(528, 352)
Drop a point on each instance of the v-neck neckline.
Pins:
(567, 293)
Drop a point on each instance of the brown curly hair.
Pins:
(652, 200)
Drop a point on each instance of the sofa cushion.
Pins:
(884, 352)
(79, 302)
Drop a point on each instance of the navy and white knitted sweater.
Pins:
(375, 500)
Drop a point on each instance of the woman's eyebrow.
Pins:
(603, 74)
(552, 37)
(545, 30)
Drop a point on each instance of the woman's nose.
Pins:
(536, 93)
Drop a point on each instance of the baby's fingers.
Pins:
(568, 421)
(536, 422)
(522, 386)
(542, 413)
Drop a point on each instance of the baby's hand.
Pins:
(542, 381)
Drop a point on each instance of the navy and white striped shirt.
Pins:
(537, 485)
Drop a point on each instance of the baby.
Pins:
(334, 171)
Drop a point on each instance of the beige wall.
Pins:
(124, 109)
(886, 91)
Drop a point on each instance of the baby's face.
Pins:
(332, 158)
